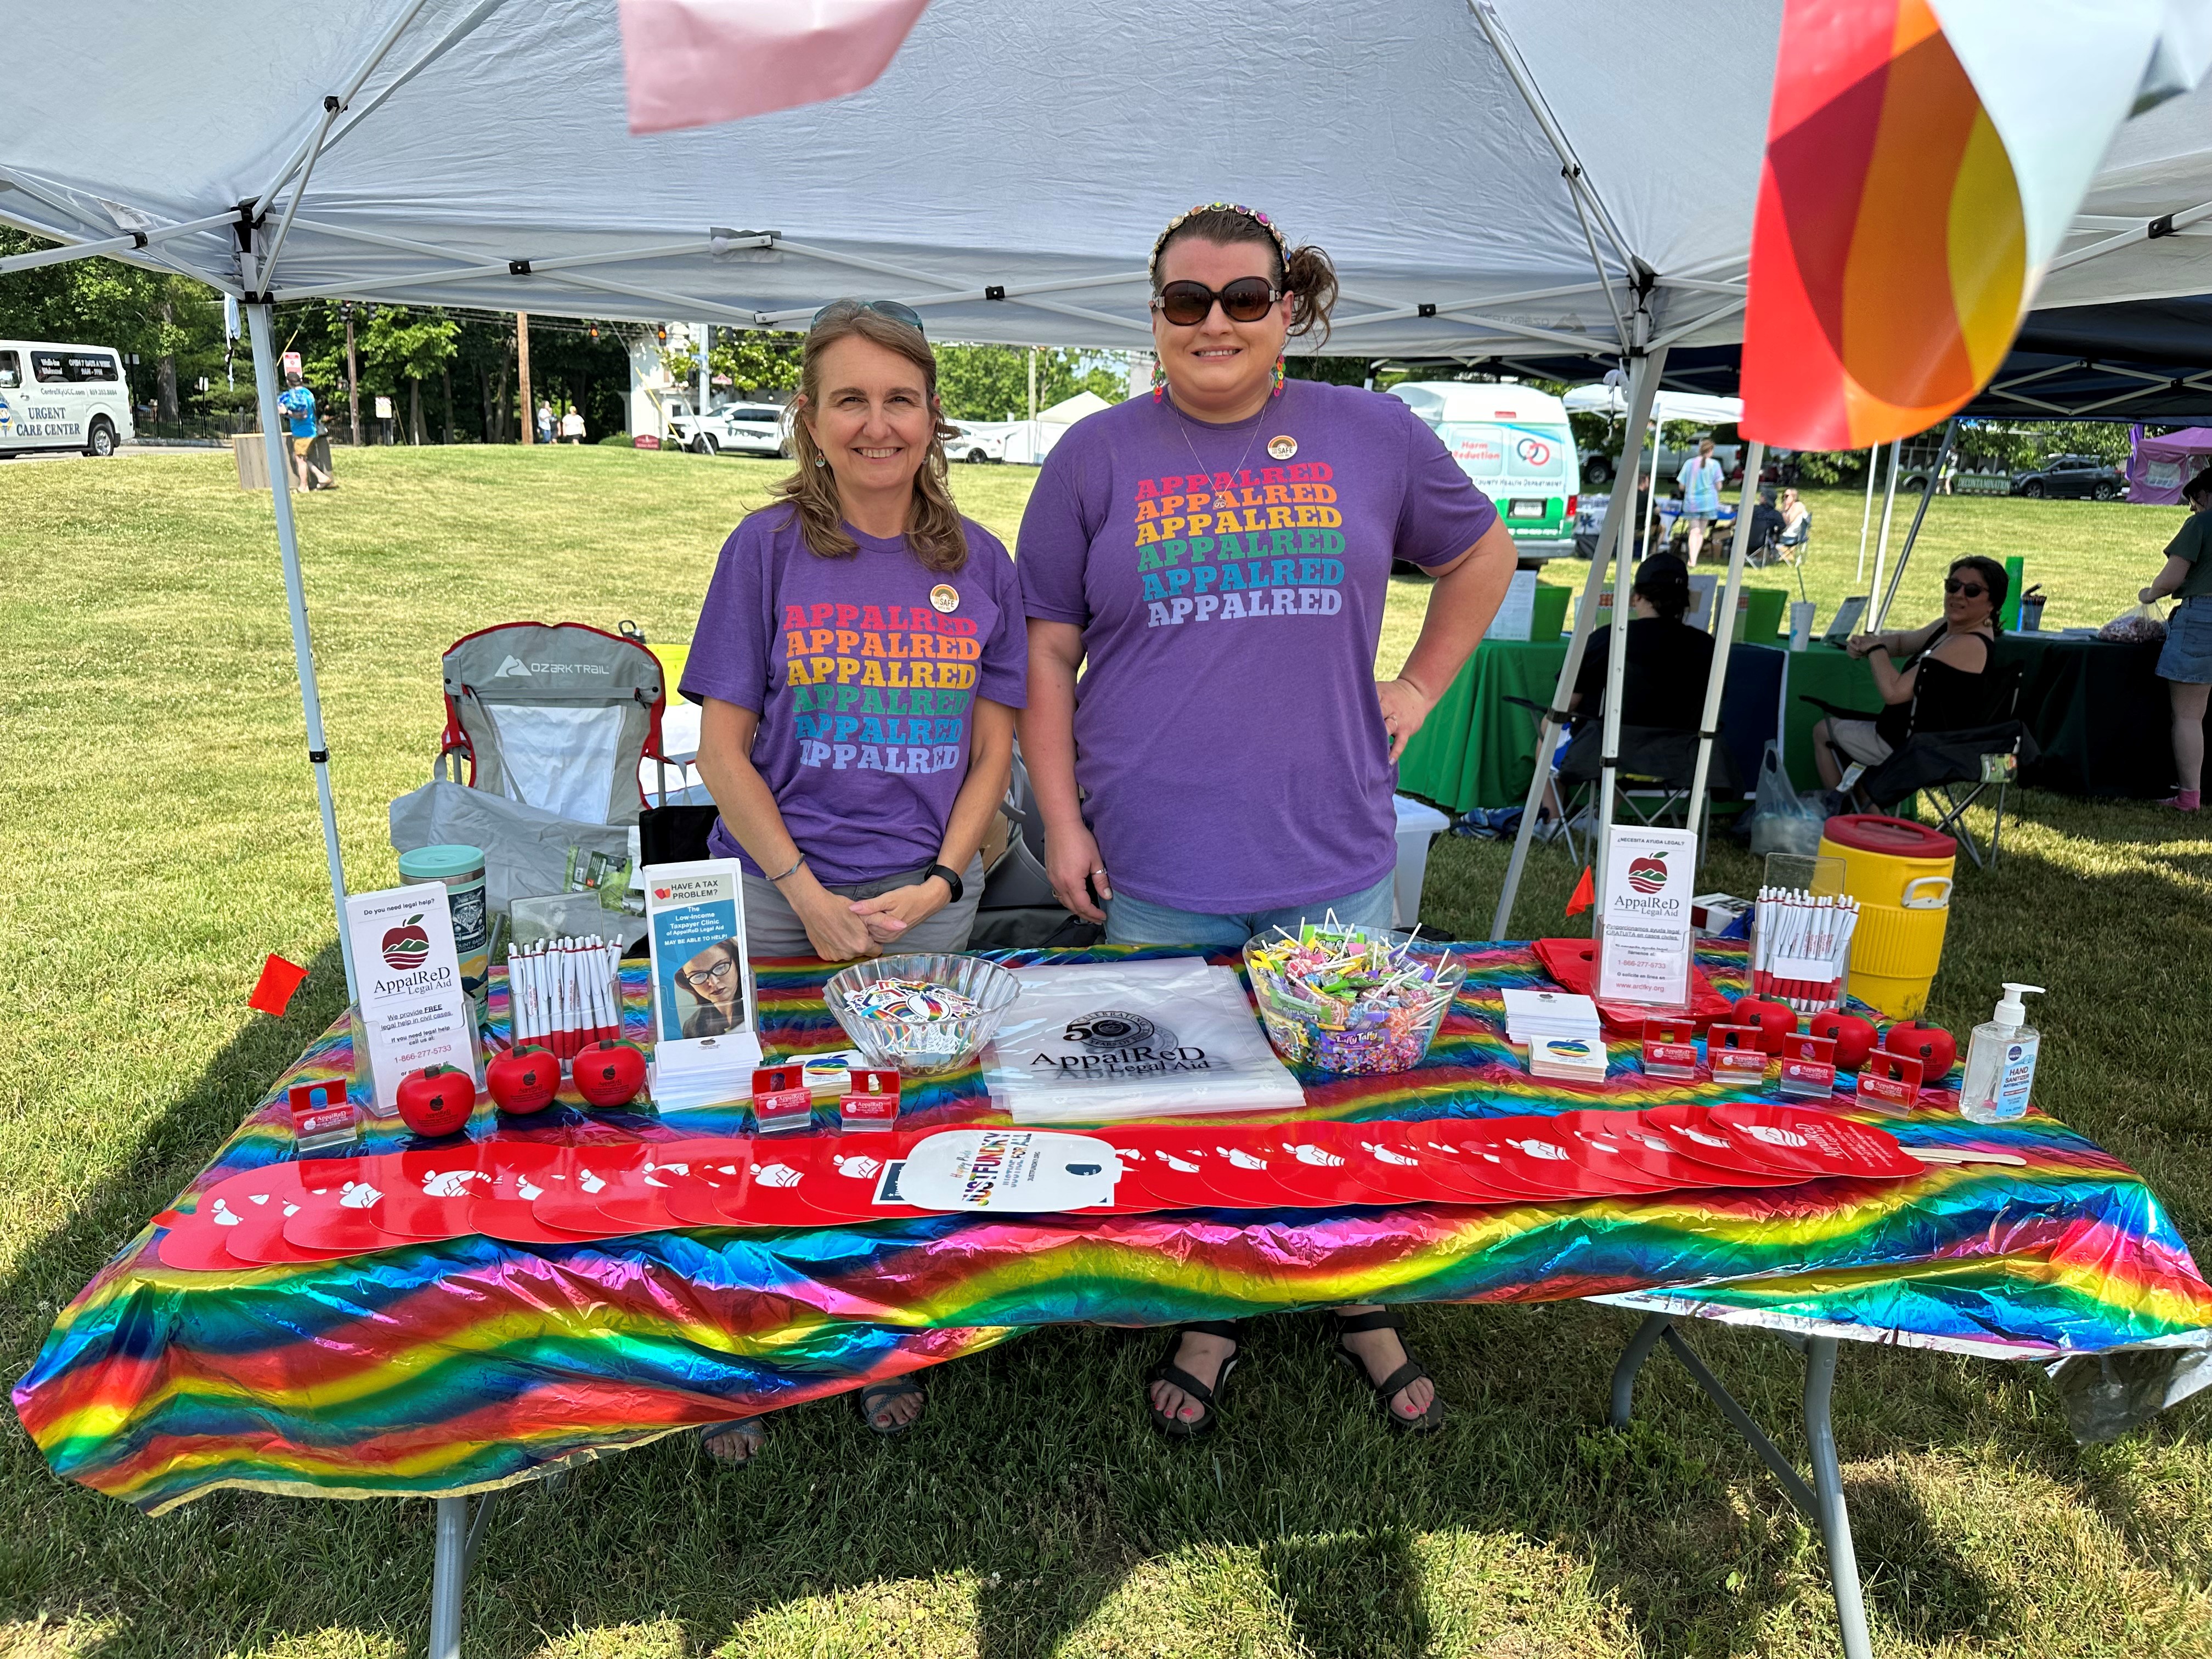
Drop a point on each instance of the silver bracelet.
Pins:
(778, 881)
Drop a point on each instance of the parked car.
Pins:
(2081, 477)
(747, 428)
(62, 397)
(977, 444)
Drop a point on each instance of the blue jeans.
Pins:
(1139, 922)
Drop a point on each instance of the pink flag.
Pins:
(692, 62)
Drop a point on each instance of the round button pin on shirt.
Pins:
(945, 596)
(1284, 448)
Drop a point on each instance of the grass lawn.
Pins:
(158, 821)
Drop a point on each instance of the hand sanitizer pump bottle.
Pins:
(2001, 1062)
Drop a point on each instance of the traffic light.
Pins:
(660, 332)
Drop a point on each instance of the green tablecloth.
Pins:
(1478, 749)
(2098, 713)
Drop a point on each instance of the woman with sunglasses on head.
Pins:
(1931, 680)
(1215, 559)
(859, 657)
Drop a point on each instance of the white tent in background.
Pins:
(1068, 411)
(1490, 177)
(1702, 407)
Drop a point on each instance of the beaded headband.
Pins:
(1282, 242)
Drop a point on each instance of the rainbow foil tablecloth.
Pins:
(466, 1366)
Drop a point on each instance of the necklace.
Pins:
(1183, 425)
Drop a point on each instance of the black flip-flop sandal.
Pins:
(876, 1395)
(714, 1431)
(1167, 1372)
(1407, 1374)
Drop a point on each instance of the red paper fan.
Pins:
(1822, 1142)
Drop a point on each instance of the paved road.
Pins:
(127, 449)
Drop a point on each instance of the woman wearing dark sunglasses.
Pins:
(1215, 559)
(1931, 678)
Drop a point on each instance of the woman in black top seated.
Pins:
(1942, 684)
(1668, 660)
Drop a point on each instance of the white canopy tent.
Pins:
(1489, 179)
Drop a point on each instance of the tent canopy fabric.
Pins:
(1701, 407)
(2160, 466)
(1472, 168)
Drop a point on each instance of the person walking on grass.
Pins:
(2185, 661)
(572, 427)
(298, 405)
(1700, 479)
(1214, 559)
(544, 422)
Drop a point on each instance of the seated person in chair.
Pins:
(1767, 526)
(1941, 684)
(1668, 660)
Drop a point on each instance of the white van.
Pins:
(62, 396)
(1514, 442)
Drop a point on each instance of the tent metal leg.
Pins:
(460, 1534)
(1822, 1502)
(295, 596)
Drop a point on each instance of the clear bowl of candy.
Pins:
(1349, 999)
(925, 1013)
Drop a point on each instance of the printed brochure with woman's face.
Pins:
(704, 1030)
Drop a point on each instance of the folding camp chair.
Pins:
(554, 716)
(1652, 779)
(1957, 767)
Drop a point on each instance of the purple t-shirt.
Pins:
(864, 672)
(1229, 584)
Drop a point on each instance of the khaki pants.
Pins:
(773, 927)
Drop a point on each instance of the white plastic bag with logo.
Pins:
(1101, 1043)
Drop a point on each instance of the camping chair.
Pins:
(1018, 908)
(1657, 768)
(1956, 767)
(554, 716)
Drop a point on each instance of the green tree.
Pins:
(991, 382)
(410, 346)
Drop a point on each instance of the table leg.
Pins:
(1828, 1487)
(1822, 1502)
(1632, 1361)
(460, 1534)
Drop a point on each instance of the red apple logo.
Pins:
(406, 948)
(1647, 872)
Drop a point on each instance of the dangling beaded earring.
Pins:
(1277, 392)
(821, 461)
(1159, 380)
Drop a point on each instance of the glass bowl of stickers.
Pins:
(924, 1014)
(1349, 999)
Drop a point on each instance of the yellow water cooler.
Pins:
(1900, 874)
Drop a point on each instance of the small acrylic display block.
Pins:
(872, 1102)
(1889, 1084)
(1670, 1050)
(1809, 1068)
(781, 1101)
(322, 1116)
(1736, 1054)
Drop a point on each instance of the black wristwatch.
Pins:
(949, 878)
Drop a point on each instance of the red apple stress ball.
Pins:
(1854, 1037)
(523, 1080)
(1773, 1019)
(609, 1074)
(437, 1100)
(1932, 1045)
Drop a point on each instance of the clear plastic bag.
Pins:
(2141, 626)
(1783, 820)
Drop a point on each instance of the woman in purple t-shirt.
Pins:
(859, 657)
(1216, 559)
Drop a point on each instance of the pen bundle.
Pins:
(1800, 947)
(1341, 999)
(562, 993)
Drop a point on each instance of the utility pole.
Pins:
(353, 375)
(522, 369)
